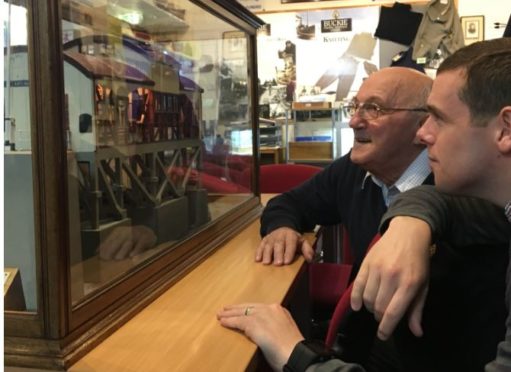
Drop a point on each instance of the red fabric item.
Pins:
(217, 185)
(347, 255)
(328, 281)
(278, 178)
(343, 306)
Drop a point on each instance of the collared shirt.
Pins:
(507, 211)
(412, 177)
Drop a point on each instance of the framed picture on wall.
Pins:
(473, 28)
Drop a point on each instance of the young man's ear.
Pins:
(504, 139)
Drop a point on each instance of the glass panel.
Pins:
(158, 129)
(19, 241)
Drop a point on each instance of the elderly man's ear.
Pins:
(504, 139)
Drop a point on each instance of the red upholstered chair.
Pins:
(278, 178)
(343, 307)
(218, 185)
(327, 281)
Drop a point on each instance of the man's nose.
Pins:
(356, 122)
(425, 134)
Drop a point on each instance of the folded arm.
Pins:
(394, 276)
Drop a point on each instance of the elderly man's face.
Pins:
(460, 154)
(384, 144)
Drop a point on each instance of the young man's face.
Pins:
(460, 154)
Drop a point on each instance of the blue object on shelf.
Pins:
(313, 139)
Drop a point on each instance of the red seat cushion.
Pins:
(343, 306)
(327, 282)
(278, 178)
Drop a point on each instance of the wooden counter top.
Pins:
(179, 330)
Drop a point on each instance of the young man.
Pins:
(468, 135)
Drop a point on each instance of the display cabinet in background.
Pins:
(310, 132)
(122, 166)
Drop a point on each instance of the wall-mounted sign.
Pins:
(336, 25)
(300, 1)
(299, 63)
(251, 5)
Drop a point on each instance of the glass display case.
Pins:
(122, 171)
(311, 134)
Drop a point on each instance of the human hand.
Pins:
(126, 241)
(271, 327)
(394, 276)
(280, 246)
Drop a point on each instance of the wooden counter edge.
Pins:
(115, 350)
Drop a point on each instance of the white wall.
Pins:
(277, 6)
(493, 11)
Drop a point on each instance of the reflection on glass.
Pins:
(157, 115)
(19, 241)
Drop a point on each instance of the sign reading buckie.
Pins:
(336, 24)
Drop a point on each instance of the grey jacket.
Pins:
(440, 28)
(459, 219)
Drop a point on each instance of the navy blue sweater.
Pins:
(336, 195)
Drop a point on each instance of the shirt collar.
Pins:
(413, 176)
(507, 211)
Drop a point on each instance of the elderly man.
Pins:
(469, 139)
(356, 189)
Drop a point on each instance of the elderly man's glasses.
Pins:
(369, 110)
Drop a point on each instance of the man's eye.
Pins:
(435, 118)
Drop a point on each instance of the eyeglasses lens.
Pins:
(365, 110)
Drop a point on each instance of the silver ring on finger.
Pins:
(248, 310)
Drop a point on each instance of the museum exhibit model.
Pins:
(119, 176)
(135, 136)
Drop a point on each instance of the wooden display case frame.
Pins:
(58, 334)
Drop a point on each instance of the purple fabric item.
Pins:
(99, 67)
(189, 85)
